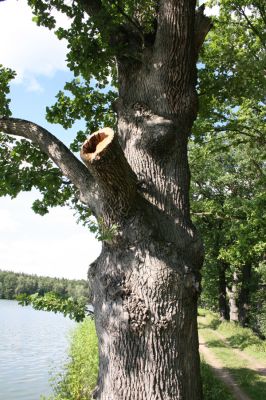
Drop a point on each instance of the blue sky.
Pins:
(52, 245)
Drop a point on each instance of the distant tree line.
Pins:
(13, 284)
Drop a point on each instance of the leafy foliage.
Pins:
(226, 151)
(91, 41)
(23, 167)
(229, 208)
(84, 101)
(93, 44)
(231, 74)
(73, 308)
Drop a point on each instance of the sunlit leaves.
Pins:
(232, 69)
(83, 101)
(228, 171)
(228, 177)
(23, 167)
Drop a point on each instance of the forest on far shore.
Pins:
(12, 284)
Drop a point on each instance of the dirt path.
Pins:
(221, 372)
(254, 364)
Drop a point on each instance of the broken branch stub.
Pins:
(105, 159)
(97, 143)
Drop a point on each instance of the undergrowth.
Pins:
(79, 375)
(236, 336)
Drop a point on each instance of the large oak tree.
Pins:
(135, 181)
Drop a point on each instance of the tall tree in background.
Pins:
(136, 182)
(228, 159)
(229, 207)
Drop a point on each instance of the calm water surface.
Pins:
(32, 344)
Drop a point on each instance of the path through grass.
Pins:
(250, 381)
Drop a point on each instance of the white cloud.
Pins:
(52, 245)
(34, 86)
(30, 50)
(209, 11)
(8, 223)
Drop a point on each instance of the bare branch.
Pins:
(70, 166)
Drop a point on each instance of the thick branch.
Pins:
(203, 24)
(174, 53)
(105, 159)
(175, 29)
(70, 166)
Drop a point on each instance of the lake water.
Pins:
(32, 345)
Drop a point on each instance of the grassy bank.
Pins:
(236, 336)
(79, 376)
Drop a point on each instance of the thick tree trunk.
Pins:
(145, 289)
(223, 306)
(146, 282)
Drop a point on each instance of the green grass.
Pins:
(79, 375)
(213, 388)
(251, 382)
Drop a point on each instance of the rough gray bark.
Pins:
(146, 281)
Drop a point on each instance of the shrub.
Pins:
(79, 375)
